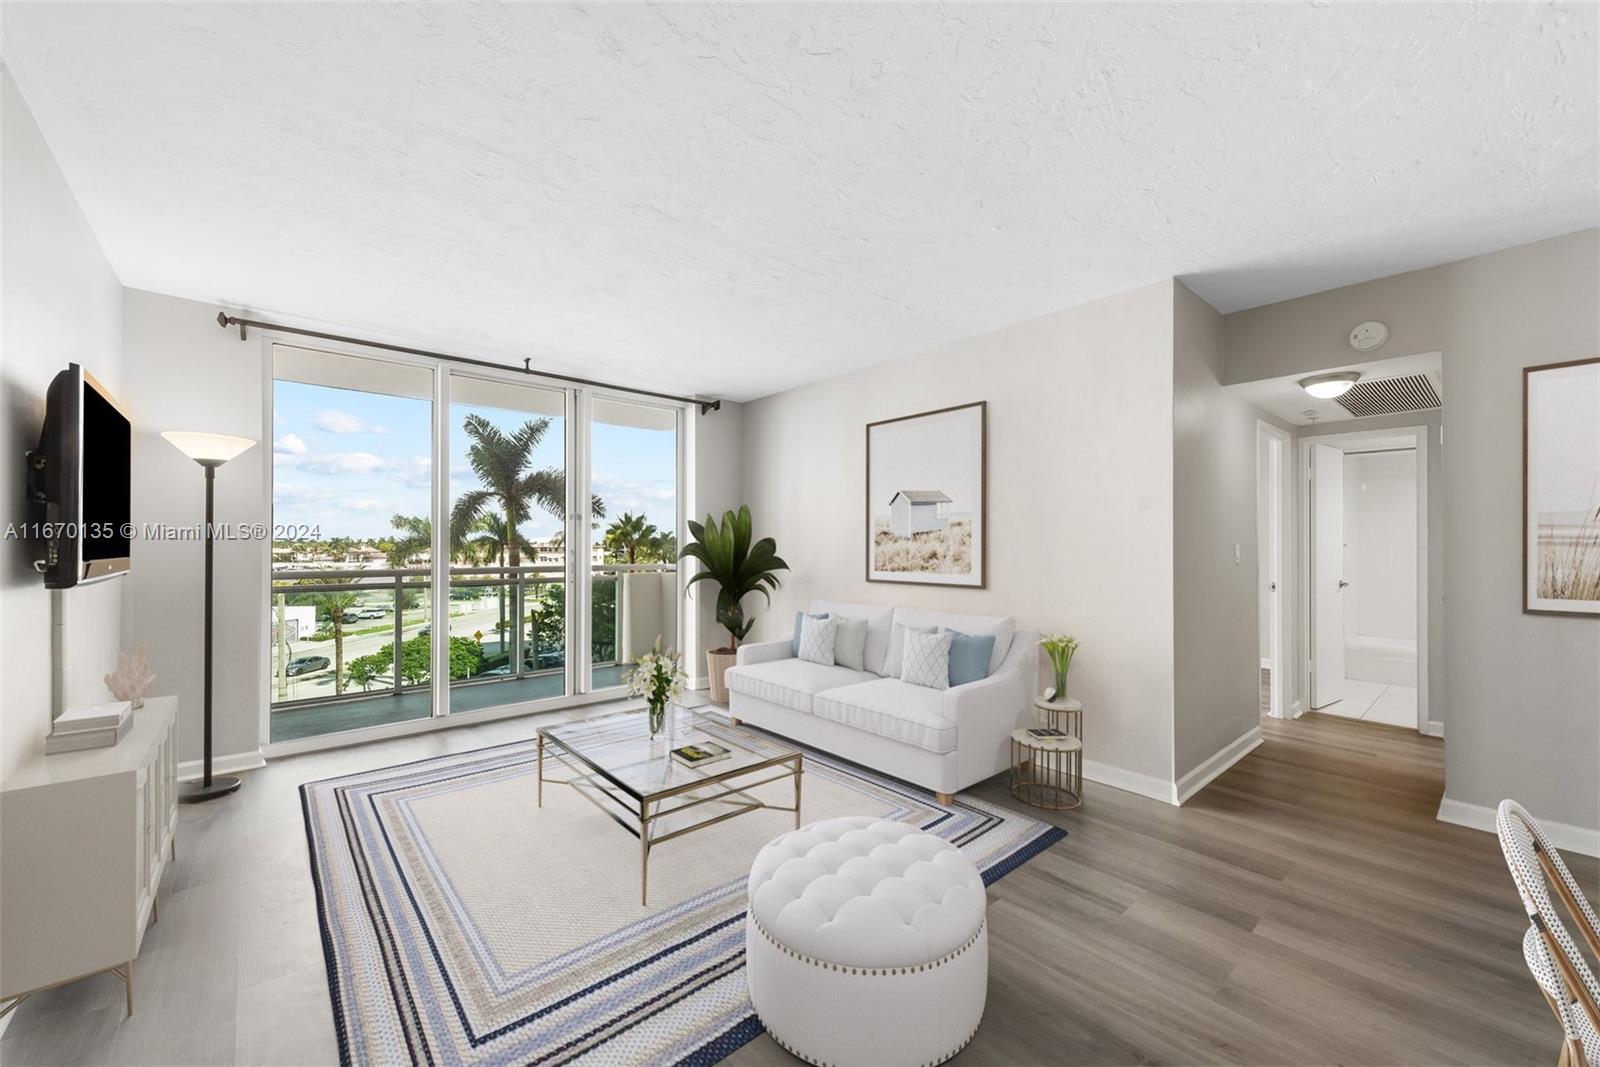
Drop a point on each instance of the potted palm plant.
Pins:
(739, 567)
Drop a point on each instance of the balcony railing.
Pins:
(506, 623)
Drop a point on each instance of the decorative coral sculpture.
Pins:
(132, 678)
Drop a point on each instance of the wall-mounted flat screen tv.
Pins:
(78, 482)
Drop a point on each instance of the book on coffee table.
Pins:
(698, 755)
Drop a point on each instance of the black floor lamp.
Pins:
(210, 450)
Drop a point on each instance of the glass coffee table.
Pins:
(615, 764)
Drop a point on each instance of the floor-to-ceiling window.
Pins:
(352, 491)
(507, 537)
(633, 454)
(548, 516)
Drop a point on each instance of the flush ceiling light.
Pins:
(1328, 386)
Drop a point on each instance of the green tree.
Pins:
(511, 487)
(631, 536)
(362, 671)
(332, 606)
(466, 659)
(416, 537)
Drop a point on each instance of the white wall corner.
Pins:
(191, 770)
(1144, 785)
(1563, 835)
(1221, 760)
(1435, 728)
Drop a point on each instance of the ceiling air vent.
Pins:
(1390, 396)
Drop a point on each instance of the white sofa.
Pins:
(942, 740)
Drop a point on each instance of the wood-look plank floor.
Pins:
(1305, 908)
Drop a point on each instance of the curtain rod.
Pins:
(226, 320)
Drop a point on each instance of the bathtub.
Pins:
(1385, 660)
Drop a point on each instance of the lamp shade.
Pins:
(207, 449)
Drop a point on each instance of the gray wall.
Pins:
(717, 458)
(1215, 601)
(62, 305)
(183, 373)
(1080, 500)
(1520, 693)
(1523, 691)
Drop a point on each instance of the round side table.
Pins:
(1047, 772)
(1065, 715)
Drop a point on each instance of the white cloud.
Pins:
(289, 445)
(333, 420)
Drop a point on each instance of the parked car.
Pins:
(371, 613)
(553, 657)
(305, 665)
(349, 617)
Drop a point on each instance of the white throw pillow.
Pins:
(816, 640)
(850, 643)
(897, 646)
(927, 660)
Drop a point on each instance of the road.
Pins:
(475, 616)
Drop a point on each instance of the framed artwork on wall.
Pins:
(927, 498)
(1561, 488)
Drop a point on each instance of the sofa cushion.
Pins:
(894, 661)
(1002, 628)
(816, 640)
(927, 660)
(891, 708)
(850, 642)
(878, 620)
(969, 656)
(791, 682)
(799, 620)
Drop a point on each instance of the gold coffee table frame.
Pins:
(642, 812)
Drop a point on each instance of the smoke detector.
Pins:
(1368, 335)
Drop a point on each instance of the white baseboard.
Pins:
(1221, 760)
(1144, 785)
(1435, 728)
(188, 770)
(1562, 835)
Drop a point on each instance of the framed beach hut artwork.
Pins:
(1561, 488)
(926, 502)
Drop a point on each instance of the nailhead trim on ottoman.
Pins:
(866, 942)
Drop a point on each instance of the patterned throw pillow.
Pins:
(926, 660)
(897, 647)
(799, 616)
(816, 640)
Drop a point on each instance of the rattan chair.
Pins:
(1557, 964)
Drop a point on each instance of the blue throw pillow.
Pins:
(969, 657)
(794, 642)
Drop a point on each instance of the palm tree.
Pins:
(631, 535)
(416, 537)
(334, 605)
(511, 487)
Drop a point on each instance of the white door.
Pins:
(1327, 575)
(1274, 577)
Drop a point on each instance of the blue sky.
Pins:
(345, 461)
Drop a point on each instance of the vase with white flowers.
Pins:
(658, 677)
(1060, 648)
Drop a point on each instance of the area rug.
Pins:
(462, 924)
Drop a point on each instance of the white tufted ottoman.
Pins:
(865, 943)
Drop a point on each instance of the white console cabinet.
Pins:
(84, 839)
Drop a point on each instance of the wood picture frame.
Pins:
(935, 533)
(1560, 482)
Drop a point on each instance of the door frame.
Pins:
(1279, 483)
(1418, 435)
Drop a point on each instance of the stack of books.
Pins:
(98, 726)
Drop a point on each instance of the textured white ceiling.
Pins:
(734, 200)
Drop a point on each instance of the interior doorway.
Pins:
(1365, 574)
(1274, 491)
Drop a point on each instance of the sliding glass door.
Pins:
(458, 543)
(633, 454)
(352, 489)
(506, 537)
